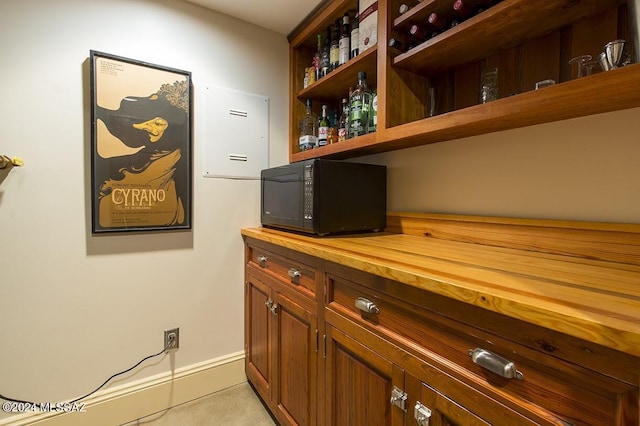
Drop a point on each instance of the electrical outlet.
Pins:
(175, 332)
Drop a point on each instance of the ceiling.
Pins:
(280, 16)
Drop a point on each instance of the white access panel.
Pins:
(235, 133)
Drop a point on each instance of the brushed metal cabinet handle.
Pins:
(294, 273)
(366, 305)
(262, 261)
(422, 414)
(495, 363)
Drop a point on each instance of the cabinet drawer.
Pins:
(288, 269)
(541, 386)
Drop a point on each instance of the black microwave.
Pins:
(324, 197)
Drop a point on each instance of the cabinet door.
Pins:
(443, 411)
(296, 352)
(258, 331)
(449, 402)
(359, 384)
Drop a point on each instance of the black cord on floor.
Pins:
(20, 401)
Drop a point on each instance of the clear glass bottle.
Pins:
(323, 127)
(489, 85)
(308, 129)
(343, 123)
(359, 107)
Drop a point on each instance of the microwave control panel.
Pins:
(308, 192)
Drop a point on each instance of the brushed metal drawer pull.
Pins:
(294, 273)
(495, 363)
(262, 261)
(366, 305)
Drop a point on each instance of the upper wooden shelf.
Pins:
(333, 86)
(529, 41)
(500, 27)
(328, 13)
(421, 11)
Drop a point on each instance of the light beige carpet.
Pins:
(234, 406)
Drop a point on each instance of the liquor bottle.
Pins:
(332, 133)
(355, 37)
(345, 40)
(308, 129)
(311, 75)
(316, 58)
(359, 107)
(343, 123)
(325, 56)
(334, 50)
(323, 127)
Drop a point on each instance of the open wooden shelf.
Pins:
(500, 27)
(528, 41)
(603, 92)
(333, 86)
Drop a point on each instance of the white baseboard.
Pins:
(134, 400)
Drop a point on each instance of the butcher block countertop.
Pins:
(577, 278)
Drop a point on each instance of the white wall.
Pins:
(582, 169)
(76, 308)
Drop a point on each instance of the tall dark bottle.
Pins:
(317, 58)
(355, 37)
(343, 123)
(468, 8)
(334, 50)
(418, 33)
(325, 55)
(462, 9)
(437, 21)
(396, 45)
(345, 40)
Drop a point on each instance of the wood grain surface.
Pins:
(570, 291)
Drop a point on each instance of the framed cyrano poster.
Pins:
(140, 145)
